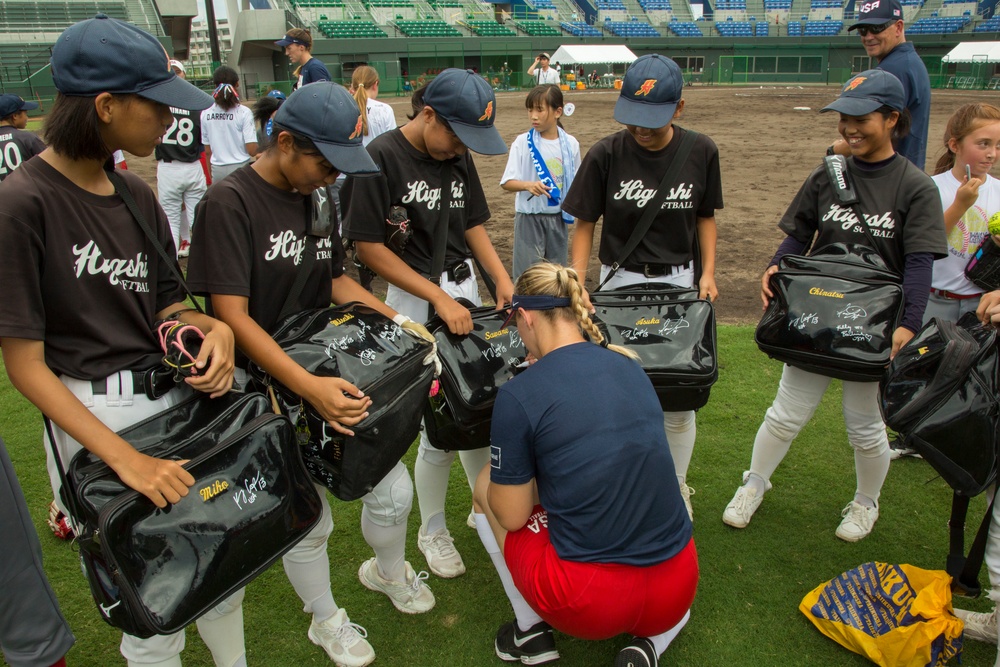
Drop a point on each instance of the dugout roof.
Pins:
(974, 52)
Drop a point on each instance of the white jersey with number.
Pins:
(227, 132)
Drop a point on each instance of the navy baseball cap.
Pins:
(878, 12)
(651, 90)
(534, 302)
(327, 114)
(867, 92)
(466, 101)
(105, 55)
(11, 104)
(288, 41)
(276, 94)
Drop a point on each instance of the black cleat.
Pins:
(640, 653)
(535, 646)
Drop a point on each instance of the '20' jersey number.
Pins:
(180, 133)
(10, 158)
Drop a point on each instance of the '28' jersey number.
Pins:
(10, 158)
(180, 133)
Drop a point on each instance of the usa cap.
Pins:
(325, 113)
(651, 90)
(867, 92)
(105, 55)
(466, 101)
(11, 104)
(878, 12)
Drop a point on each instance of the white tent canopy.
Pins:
(974, 52)
(586, 54)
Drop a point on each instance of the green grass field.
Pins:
(751, 581)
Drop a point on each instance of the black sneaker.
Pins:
(640, 653)
(534, 646)
(898, 449)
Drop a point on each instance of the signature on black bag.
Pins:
(672, 331)
(153, 571)
(364, 347)
(474, 367)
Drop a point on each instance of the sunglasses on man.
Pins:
(865, 30)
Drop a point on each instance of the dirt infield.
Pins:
(767, 149)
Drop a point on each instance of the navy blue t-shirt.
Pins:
(585, 423)
(904, 62)
(314, 70)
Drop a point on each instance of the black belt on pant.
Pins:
(651, 270)
(154, 382)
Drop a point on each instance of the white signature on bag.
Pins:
(634, 334)
(854, 332)
(852, 312)
(802, 320)
(248, 494)
(670, 327)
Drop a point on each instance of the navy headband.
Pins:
(535, 302)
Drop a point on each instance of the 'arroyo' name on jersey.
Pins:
(635, 190)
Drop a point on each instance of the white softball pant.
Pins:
(222, 627)
(179, 187)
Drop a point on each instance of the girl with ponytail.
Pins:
(969, 196)
(227, 128)
(580, 508)
(376, 117)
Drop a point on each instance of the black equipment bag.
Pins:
(833, 313)
(364, 347)
(458, 417)
(672, 331)
(983, 268)
(154, 571)
(940, 395)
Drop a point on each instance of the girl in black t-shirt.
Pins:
(903, 213)
(83, 285)
(619, 178)
(453, 115)
(255, 226)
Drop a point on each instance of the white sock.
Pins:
(435, 523)
(223, 635)
(871, 472)
(756, 483)
(663, 640)
(768, 452)
(525, 615)
(307, 579)
(389, 545)
(174, 661)
(430, 479)
(473, 462)
(681, 431)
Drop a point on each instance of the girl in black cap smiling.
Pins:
(83, 285)
(247, 258)
(620, 176)
(426, 169)
(902, 210)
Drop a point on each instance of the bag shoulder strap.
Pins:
(441, 228)
(646, 221)
(123, 191)
(302, 273)
(67, 492)
(964, 570)
(843, 188)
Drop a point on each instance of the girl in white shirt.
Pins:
(227, 129)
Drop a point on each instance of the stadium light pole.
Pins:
(213, 34)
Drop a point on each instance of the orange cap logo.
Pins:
(855, 82)
(357, 129)
(646, 87)
(488, 113)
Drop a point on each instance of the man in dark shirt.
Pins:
(16, 143)
(298, 47)
(880, 26)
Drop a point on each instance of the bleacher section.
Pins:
(734, 28)
(631, 29)
(656, 5)
(990, 25)
(685, 29)
(538, 28)
(490, 29)
(822, 28)
(611, 5)
(731, 5)
(318, 4)
(427, 29)
(762, 28)
(55, 16)
(580, 29)
(350, 29)
(937, 25)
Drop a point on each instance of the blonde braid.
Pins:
(568, 278)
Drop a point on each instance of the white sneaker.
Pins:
(686, 493)
(410, 597)
(343, 641)
(857, 523)
(442, 557)
(740, 509)
(471, 521)
(979, 626)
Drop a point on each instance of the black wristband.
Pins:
(830, 151)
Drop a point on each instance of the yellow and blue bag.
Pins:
(894, 615)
